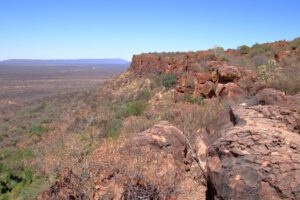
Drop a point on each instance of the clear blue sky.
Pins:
(48, 29)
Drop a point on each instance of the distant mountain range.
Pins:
(111, 61)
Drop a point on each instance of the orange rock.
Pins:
(203, 77)
(207, 89)
(219, 89)
(233, 91)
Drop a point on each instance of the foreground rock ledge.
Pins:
(254, 154)
(259, 158)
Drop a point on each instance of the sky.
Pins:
(73, 29)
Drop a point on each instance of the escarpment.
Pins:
(244, 142)
(199, 74)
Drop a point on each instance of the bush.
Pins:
(143, 95)
(266, 72)
(19, 183)
(169, 80)
(194, 100)
(259, 49)
(224, 59)
(112, 127)
(199, 100)
(244, 49)
(217, 51)
(17, 179)
(112, 133)
(287, 80)
(37, 130)
(135, 108)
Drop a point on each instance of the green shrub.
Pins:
(224, 59)
(13, 174)
(244, 49)
(199, 100)
(112, 133)
(112, 127)
(19, 183)
(10, 156)
(37, 130)
(135, 108)
(259, 49)
(169, 80)
(143, 95)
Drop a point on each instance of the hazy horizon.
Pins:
(74, 59)
(53, 29)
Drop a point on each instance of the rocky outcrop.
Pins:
(156, 164)
(258, 156)
(171, 62)
(198, 73)
(271, 96)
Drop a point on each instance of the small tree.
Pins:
(244, 49)
(169, 80)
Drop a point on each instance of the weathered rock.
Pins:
(207, 89)
(219, 89)
(233, 91)
(229, 90)
(258, 158)
(229, 73)
(197, 72)
(271, 96)
(203, 77)
(156, 164)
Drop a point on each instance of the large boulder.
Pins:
(257, 157)
(202, 77)
(231, 91)
(156, 164)
(271, 96)
(229, 73)
(207, 89)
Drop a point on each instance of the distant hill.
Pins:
(113, 61)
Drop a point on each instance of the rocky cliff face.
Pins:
(199, 74)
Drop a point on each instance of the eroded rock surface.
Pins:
(199, 74)
(156, 164)
(258, 157)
